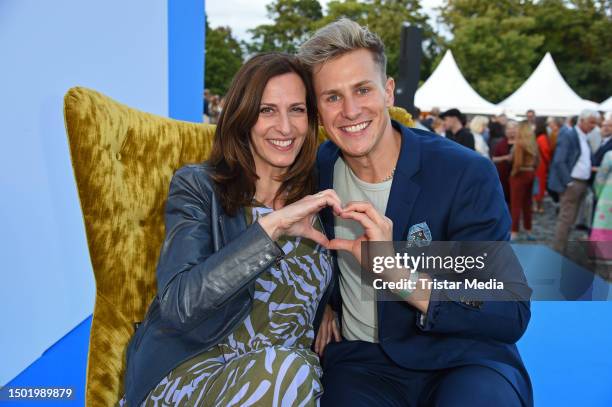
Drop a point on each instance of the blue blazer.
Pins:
(457, 193)
(565, 157)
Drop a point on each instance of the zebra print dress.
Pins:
(267, 360)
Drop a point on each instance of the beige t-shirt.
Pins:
(359, 320)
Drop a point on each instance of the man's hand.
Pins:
(376, 228)
(328, 331)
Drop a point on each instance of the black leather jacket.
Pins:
(206, 272)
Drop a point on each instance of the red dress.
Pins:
(542, 170)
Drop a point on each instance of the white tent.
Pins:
(606, 105)
(546, 92)
(447, 88)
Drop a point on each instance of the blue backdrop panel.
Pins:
(186, 59)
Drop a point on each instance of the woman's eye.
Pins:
(333, 98)
(265, 110)
(299, 109)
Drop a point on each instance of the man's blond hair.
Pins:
(338, 38)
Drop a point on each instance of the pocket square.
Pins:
(419, 235)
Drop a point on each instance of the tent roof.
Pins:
(447, 88)
(606, 105)
(546, 92)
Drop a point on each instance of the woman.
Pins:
(478, 125)
(503, 159)
(524, 164)
(243, 276)
(545, 157)
(601, 232)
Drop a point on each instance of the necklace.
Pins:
(388, 177)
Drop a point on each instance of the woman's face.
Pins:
(282, 126)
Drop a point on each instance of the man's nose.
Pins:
(350, 108)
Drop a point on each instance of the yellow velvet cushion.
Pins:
(123, 161)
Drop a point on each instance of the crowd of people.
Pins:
(213, 105)
(565, 158)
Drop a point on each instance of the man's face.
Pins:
(353, 101)
(530, 116)
(452, 123)
(587, 125)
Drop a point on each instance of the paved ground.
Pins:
(544, 232)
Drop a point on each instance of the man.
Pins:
(418, 349)
(454, 121)
(531, 118)
(569, 173)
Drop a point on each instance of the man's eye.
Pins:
(333, 98)
(364, 91)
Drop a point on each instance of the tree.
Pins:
(292, 20)
(578, 34)
(223, 58)
(494, 43)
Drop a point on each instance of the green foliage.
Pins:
(497, 44)
(223, 59)
(578, 34)
(292, 20)
(493, 43)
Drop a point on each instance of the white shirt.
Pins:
(359, 311)
(582, 168)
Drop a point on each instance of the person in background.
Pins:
(601, 230)
(438, 127)
(570, 171)
(431, 117)
(524, 163)
(503, 159)
(554, 125)
(606, 136)
(454, 121)
(542, 170)
(478, 125)
(531, 118)
(205, 106)
(594, 136)
(497, 130)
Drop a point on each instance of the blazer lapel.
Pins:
(404, 190)
(328, 154)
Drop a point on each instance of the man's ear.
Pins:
(390, 92)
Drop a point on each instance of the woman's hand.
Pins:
(328, 331)
(298, 218)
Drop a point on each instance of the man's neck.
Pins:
(379, 164)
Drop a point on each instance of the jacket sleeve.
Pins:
(193, 280)
(479, 214)
(558, 166)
